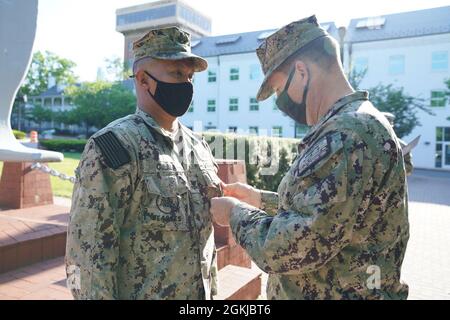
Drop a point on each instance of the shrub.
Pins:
(267, 158)
(19, 134)
(64, 145)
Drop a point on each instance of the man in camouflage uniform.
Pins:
(338, 226)
(140, 226)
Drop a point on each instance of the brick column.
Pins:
(21, 187)
(228, 251)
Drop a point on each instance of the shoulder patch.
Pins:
(112, 149)
(318, 152)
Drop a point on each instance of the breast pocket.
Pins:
(166, 203)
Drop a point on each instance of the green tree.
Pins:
(46, 65)
(117, 69)
(43, 66)
(271, 182)
(97, 104)
(39, 114)
(388, 98)
(403, 106)
(355, 77)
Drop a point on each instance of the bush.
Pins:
(267, 159)
(63, 145)
(19, 134)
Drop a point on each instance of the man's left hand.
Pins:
(221, 209)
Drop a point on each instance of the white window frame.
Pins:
(442, 99)
(255, 130)
(209, 105)
(253, 105)
(445, 61)
(212, 74)
(234, 74)
(393, 64)
(280, 133)
(233, 105)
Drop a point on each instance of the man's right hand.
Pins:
(243, 192)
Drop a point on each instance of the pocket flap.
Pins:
(165, 185)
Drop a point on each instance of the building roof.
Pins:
(239, 42)
(400, 25)
(54, 91)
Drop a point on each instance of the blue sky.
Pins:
(84, 30)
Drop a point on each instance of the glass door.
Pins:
(442, 158)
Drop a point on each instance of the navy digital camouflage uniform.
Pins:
(339, 221)
(140, 226)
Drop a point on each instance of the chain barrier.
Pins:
(52, 172)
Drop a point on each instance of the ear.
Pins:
(302, 70)
(142, 80)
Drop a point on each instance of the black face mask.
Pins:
(296, 111)
(174, 98)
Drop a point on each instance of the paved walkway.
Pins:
(426, 268)
(41, 281)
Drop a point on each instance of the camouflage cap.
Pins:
(167, 44)
(278, 47)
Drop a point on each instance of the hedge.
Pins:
(64, 145)
(19, 134)
(266, 164)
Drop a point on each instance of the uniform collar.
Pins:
(335, 109)
(148, 119)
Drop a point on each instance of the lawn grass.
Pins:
(62, 188)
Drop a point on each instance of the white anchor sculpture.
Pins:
(17, 33)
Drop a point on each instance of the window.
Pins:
(211, 106)
(212, 76)
(146, 15)
(228, 40)
(371, 23)
(234, 104)
(193, 17)
(255, 72)
(210, 128)
(300, 130)
(447, 155)
(361, 65)
(277, 131)
(442, 144)
(253, 130)
(396, 64)
(47, 102)
(57, 102)
(234, 74)
(438, 157)
(232, 129)
(191, 107)
(439, 61)
(438, 99)
(254, 105)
